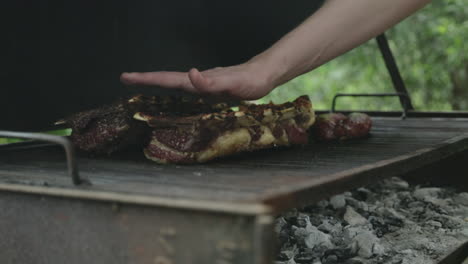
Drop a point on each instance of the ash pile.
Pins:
(391, 222)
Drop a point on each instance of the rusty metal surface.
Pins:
(281, 178)
(48, 230)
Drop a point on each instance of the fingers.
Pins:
(216, 82)
(178, 80)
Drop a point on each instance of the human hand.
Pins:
(335, 29)
(248, 81)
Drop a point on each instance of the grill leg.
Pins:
(392, 68)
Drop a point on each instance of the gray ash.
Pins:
(391, 222)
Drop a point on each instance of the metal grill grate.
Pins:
(258, 176)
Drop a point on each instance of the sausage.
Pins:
(336, 126)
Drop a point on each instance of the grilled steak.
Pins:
(203, 137)
(111, 128)
(336, 126)
(176, 130)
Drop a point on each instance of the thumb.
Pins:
(200, 82)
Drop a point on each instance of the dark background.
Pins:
(66, 56)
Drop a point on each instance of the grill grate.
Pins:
(256, 176)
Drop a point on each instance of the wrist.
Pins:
(267, 70)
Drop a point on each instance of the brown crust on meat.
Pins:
(111, 128)
(178, 130)
(266, 126)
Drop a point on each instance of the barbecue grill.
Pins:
(60, 207)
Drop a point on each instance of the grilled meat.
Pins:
(176, 130)
(112, 128)
(336, 126)
(203, 137)
(107, 129)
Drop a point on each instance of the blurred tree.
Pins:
(432, 55)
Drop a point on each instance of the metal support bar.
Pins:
(62, 141)
(404, 98)
(392, 68)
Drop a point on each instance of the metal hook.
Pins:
(62, 141)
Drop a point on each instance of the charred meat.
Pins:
(112, 127)
(203, 137)
(178, 130)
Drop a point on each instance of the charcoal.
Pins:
(322, 204)
(316, 238)
(304, 257)
(329, 227)
(280, 224)
(302, 220)
(285, 262)
(338, 201)
(396, 183)
(365, 244)
(354, 218)
(434, 224)
(390, 222)
(362, 194)
(285, 255)
(424, 194)
(283, 236)
(360, 206)
(342, 254)
(353, 261)
(384, 225)
(330, 259)
(316, 220)
(461, 198)
(291, 215)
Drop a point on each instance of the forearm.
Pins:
(339, 26)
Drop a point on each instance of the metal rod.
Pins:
(392, 68)
(404, 98)
(62, 141)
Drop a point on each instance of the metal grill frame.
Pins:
(129, 228)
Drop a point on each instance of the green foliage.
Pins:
(60, 132)
(429, 48)
(8, 140)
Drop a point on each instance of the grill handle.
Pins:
(403, 98)
(59, 140)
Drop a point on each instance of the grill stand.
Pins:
(392, 68)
